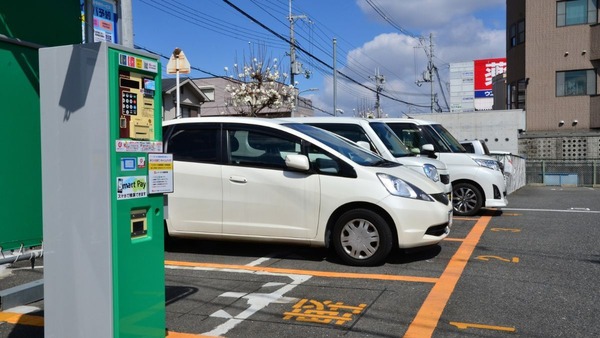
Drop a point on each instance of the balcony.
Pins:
(595, 42)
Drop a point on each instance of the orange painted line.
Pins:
(21, 319)
(454, 239)
(307, 272)
(464, 326)
(459, 218)
(430, 312)
(171, 334)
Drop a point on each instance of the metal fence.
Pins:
(514, 171)
(583, 173)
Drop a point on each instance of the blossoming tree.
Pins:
(259, 85)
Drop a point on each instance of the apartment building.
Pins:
(553, 61)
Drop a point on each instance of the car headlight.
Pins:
(399, 187)
(490, 164)
(431, 172)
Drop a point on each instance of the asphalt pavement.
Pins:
(528, 270)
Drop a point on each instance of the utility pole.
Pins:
(428, 75)
(379, 81)
(334, 78)
(295, 67)
(126, 23)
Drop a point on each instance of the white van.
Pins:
(255, 179)
(380, 139)
(477, 180)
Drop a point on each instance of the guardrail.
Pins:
(582, 173)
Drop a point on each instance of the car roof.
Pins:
(400, 119)
(221, 119)
(328, 119)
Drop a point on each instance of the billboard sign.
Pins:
(105, 20)
(485, 70)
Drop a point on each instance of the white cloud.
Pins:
(461, 32)
(427, 14)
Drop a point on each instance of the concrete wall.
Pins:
(499, 128)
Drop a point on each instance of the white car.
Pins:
(380, 139)
(477, 180)
(255, 179)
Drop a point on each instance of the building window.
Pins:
(518, 94)
(576, 82)
(576, 12)
(516, 33)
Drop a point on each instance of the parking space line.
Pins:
(462, 218)
(171, 334)
(575, 210)
(430, 312)
(328, 274)
(21, 319)
(448, 239)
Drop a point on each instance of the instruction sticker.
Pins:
(130, 187)
(160, 173)
(123, 146)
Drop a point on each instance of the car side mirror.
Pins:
(298, 162)
(428, 150)
(364, 145)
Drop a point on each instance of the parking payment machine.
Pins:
(103, 179)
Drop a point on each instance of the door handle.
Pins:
(238, 179)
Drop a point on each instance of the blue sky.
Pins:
(370, 35)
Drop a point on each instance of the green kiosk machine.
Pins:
(103, 179)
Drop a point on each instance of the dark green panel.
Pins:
(21, 206)
(45, 23)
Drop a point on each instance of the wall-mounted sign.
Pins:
(485, 70)
(105, 20)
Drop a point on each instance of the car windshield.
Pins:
(390, 140)
(448, 139)
(347, 149)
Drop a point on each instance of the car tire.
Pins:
(361, 237)
(467, 200)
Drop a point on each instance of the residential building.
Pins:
(553, 57)
(208, 97)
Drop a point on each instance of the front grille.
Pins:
(437, 230)
(445, 179)
(442, 198)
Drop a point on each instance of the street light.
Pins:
(340, 111)
(298, 94)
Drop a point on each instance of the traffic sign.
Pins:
(179, 62)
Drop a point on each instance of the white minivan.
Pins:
(255, 179)
(380, 139)
(477, 180)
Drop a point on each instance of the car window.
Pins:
(391, 141)
(258, 148)
(194, 144)
(448, 139)
(353, 132)
(346, 148)
(468, 147)
(409, 134)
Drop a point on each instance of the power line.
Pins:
(310, 54)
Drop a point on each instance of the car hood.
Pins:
(408, 175)
(481, 157)
(420, 161)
